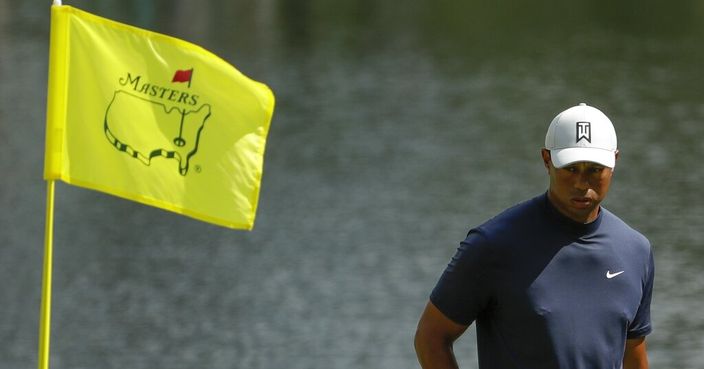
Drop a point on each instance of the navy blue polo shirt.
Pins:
(547, 292)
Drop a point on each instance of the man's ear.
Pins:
(615, 160)
(545, 153)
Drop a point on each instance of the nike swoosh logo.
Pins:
(610, 275)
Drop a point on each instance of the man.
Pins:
(556, 281)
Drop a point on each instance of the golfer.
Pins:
(557, 281)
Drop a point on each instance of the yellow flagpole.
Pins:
(45, 312)
(45, 316)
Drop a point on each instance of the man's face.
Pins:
(577, 190)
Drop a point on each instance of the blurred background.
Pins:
(398, 126)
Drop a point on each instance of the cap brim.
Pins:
(563, 157)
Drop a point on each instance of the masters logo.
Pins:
(173, 127)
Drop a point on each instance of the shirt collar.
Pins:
(569, 224)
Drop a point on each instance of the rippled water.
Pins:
(396, 129)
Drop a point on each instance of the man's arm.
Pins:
(635, 356)
(434, 338)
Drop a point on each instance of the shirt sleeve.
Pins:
(641, 325)
(463, 290)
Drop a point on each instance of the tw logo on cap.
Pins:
(584, 131)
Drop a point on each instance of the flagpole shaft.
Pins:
(45, 316)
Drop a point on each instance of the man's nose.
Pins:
(582, 181)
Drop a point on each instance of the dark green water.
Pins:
(398, 126)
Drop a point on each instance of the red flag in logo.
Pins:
(183, 76)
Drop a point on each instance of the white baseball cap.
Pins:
(581, 133)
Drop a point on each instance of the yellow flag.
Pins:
(153, 119)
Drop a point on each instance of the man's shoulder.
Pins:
(514, 220)
(617, 227)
